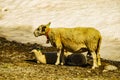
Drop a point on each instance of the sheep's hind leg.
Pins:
(62, 57)
(98, 59)
(94, 60)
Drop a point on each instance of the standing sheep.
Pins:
(72, 39)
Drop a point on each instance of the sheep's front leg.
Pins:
(58, 57)
(59, 50)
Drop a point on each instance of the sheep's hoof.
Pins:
(38, 61)
(93, 67)
(62, 63)
(99, 64)
(56, 63)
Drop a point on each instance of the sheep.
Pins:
(76, 39)
(50, 58)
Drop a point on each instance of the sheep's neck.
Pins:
(47, 35)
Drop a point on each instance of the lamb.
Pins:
(76, 39)
(50, 58)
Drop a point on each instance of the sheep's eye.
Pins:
(38, 29)
(43, 28)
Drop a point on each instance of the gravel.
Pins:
(17, 63)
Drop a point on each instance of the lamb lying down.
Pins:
(51, 57)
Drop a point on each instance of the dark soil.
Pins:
(17, 63)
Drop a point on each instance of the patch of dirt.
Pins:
(17, 63)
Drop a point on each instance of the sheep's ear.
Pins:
(48, 24)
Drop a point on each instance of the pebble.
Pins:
(109, 68)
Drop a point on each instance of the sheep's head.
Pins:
(35, 51)
(42, 30)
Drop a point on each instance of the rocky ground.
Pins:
(17, 63)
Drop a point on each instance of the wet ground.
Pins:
(17, 63)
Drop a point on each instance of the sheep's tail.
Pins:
(98, 45)
(97, 51)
